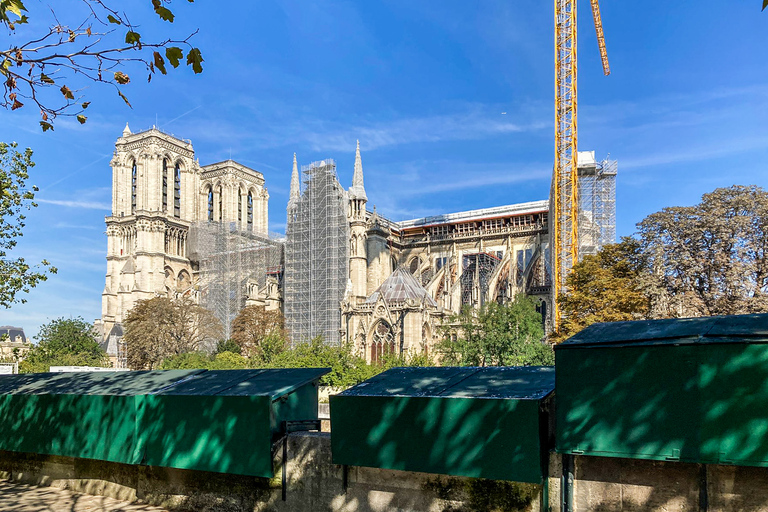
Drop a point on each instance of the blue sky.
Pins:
(423, 85)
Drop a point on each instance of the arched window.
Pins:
(414, 266)
(177, 191)
(239, 208)
(165, 185)
(220, 194)
(250, 212)
(382, 342)
(210, 204)
(133, 187)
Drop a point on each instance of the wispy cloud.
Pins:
(696, 154)
(90, 205)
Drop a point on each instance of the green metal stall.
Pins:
(86, 415)
(693, 390)
(472, 422)
(224, 421)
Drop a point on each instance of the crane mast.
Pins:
(564, 195)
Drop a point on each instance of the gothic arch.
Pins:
(184, 281)
(382, 341)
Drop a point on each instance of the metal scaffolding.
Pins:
(475, 278)
(232, 261)
(316, 256)
(597, 211)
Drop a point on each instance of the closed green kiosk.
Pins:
(691, 389)
(226, 421)
(85, 415)
(473, 422)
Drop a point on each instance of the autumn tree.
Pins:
(53, 50)
(496, 335)
(159, 328)
(64, 342)
(710, 258)
(610, 286)
(260, 333)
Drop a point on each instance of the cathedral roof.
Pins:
(400, 286)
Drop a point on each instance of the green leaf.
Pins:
(124, 98)
(67, 92)
(132, 37)
(165, 14)
(194, 59)
(174, 55)
(14, 6)
(46, 79)
(114, 20)
(46, 126)
(81, 118)
(159, 62)
(765, 4)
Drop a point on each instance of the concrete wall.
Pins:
(604, 484)
(313, 484)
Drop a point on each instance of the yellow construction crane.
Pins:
(564, 196)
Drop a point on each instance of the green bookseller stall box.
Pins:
(473, 422)
(690, 389)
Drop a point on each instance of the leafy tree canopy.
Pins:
(52, 49)
(259, 333)
(16, 275)
(707, 259)
(496, 335)
(64, 342)
(710, 258)
(159, 328)
(610, 286)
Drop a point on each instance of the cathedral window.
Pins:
(210, 204)
(239, 206)
(133, 187)
(165, 185)
(177, 191)
(220, 195)
(383, 342)
(250, 211)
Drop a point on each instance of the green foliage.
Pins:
(227, 346)
(496, 335)
(610, 286)
(64, 342)
(347, 369)
(16, 275)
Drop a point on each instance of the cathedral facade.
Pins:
(343, 271)
(159, 193)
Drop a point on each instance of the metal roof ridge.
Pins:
(477, 370)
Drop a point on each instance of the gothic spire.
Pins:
(358, 190)
(126, 130)
(295, 192)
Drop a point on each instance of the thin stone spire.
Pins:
(295, 192)
(126, 130)
(358, 190)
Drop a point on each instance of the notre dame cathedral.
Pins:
(342, 271)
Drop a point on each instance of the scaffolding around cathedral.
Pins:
(234, 264)
(316, 255)
(597, 197)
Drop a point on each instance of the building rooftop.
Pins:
(401, 286)
(484, 213)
